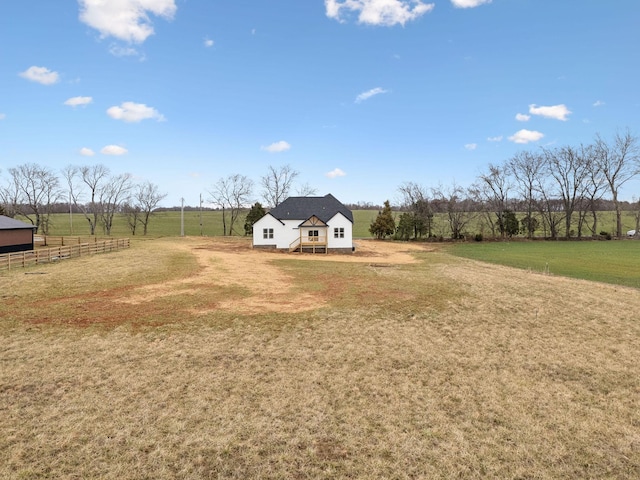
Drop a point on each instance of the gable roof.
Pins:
(303, 208)
(8, 223)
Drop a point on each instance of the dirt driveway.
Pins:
(225, 262)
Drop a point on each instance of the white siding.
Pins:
(340, 221)
(266, 222)
(287, 231)
(284, 233)
(290, 233)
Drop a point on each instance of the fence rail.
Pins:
(57, 240)
(62, 252)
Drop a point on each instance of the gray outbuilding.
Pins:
(15, 236)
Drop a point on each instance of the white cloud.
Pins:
(76, 101)
(40, 75)
(471, 146)
(370, 93)
(277, 147)
(336, 172)
(599, 103)
(495, 139)
(113, 150)
(120, 51)
(521, 117)
(469, 3)
(208, 42)
(526, 136)
(557, 112)
(126, 20)
(87, 152)
(134, 112)
(378, 12)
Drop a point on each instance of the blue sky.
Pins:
(357, 95)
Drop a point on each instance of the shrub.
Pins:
(478, 237)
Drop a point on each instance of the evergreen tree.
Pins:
(384, 224)
(255, 214)
(528, 225)
(510, 225)
(406, 224)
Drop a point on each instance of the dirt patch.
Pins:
(233, 263)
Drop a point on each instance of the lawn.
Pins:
(201, 358)
(616, 262)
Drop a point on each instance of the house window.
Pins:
(313, 235)
(267, 233)
(338, 232)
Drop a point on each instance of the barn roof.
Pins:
(8, 223)
(303, 208)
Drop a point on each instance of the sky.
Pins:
(358, 96)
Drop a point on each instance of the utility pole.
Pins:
(70, 215)
(201, 233)
(182, 218)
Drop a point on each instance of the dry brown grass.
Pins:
(172, 360)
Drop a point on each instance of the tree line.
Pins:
(35, 192)
(552, 189)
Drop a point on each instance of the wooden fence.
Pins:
(57, 240)
(68, 249)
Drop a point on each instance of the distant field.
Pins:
(616, 262)
(167, 224)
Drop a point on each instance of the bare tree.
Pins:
(569, 169)
(31, 193)
(550, 208)
(231, 194)
(595, 185)
(415, 199)
(85, 185)
(147, 197)
(636, 215)
(114, 193)
(457, 206)
(526, 169)
(306, 190)
(10, 199)
(619, 162)
(492, 189)
(97, 194)
(277, 183)
(132, 214)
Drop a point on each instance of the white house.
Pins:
(309, 224)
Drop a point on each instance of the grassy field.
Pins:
(200, 358)
(167, 224)
(616, 262)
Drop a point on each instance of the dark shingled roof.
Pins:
(303, 208)
(8, 223)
